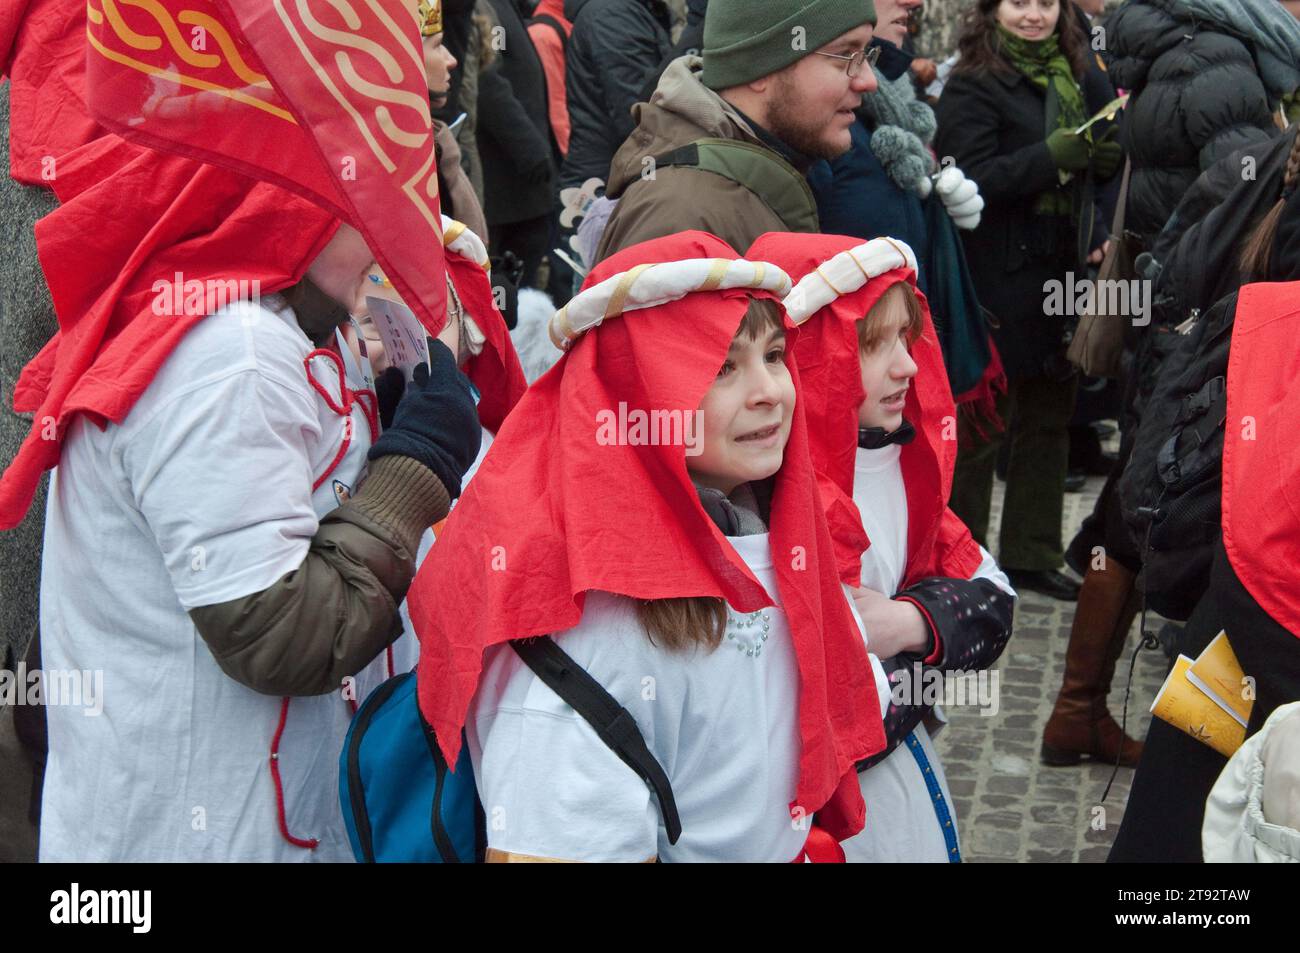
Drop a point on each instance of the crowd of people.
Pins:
(723, 318)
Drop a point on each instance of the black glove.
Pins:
(436, 421)
(389, 388)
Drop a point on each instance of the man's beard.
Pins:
(791, 124)
(318, 314)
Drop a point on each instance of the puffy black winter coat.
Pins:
(1200, 246)
(614, 48)
(1197, 96)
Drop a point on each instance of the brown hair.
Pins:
(1257, 254)
(761, 316)
(681, 623)
(684, 622)
(979, 49)
(485, 21)
(871, 333)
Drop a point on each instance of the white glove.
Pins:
(961, 197)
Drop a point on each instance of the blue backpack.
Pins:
(400, 802)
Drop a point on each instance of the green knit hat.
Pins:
(738, 48)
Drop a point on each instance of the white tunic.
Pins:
(723, 724)
(203, 494)
(901, 822)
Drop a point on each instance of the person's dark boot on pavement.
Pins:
(1080, 724)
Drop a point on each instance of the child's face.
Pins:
(746, 414)
(449, 335)
(888, 368)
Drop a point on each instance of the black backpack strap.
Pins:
(613, 723)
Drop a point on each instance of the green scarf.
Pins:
(1044, 65)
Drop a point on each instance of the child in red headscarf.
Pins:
(882, 426)
(651, 503)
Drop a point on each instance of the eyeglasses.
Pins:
(854, 61)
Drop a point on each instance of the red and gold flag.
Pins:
(326, 98)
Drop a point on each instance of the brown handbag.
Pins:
(1098, 342)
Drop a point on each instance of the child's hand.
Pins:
(892, 626)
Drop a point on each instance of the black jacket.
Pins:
(690, 42)
(513, 128)
(613, 49)
(1197, 95)
(1200, 245)
(993, 126)
(457, 24)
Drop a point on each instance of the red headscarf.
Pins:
(43, 52)
(552, 514)
(320, 116)
(1261, 452)
(495, 369)
(827, 304)
(130, 218)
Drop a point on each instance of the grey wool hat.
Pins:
(747, 39)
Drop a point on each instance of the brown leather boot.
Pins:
(1080, 723)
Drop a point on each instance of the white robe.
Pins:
(202, 495)
(902, 825)
(723, 724)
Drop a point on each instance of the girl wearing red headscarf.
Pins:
(651, 504)
(882, 434)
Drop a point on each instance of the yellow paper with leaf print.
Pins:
(1187, 708)
(1217, 672)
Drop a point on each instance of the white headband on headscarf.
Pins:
(845, 273)
(652, 284)
(459, 240)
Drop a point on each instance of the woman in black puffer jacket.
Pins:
(1206, 77)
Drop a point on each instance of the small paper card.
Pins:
(1217, 672)
(1187, 708)
(406, 343)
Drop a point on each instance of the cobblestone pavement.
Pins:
(1011, 807)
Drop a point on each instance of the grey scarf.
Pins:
(903, 128)
(735, 515)
(1273, 32)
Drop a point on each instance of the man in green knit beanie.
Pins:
(725, 141)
